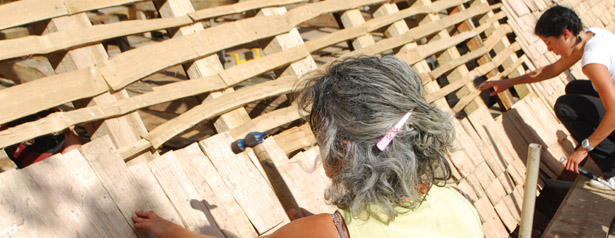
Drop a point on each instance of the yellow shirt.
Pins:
(443, 213)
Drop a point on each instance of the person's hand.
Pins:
(572, 162)
(497, 85)
(159, 226)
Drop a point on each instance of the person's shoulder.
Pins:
(320, 225)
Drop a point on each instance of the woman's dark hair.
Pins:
(555, 20)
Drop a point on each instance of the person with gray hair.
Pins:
(384, 148)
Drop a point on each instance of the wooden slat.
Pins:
(295, 172)
(28, 11)
(182, 193)
(61, 120)
(210, 185)
(584, 212)
(268, 121)
(246, 183)
(25, 99)
(57, 197)
(67, 39)
(123, 187)
(239, 7)
(219, 106)
(296, 138)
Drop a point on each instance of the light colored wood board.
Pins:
(584, 212)
(239, 7)
(433, 47)
(484, 175)
(296, 138)
(461, 161)
(476, 186)
(307, 180)
(22, 12)
(25, 70)
(210, 185)
(513, 207)
(122, 185)
(80, 195)
(68, 39)
(268, 121)
(263, 64)
(492, 225)
(285, 41)
(154, 193)
(247, 185)
(120, 71)
(484, 125)
(59, 121)
(219, 106)
(379, 22)
(466, 188)
(466, 144)
(22, 206)
(181, 192)
(495, 192)
(25, 99)
(75, 6)
(486, 150)
(506, 216)
(122, 130)
(354, 18)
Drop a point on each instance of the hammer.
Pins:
(252, 139)
(590, 175)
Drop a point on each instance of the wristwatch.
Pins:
(585, 144)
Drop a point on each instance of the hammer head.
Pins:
(252, 139)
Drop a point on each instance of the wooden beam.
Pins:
(250, 190)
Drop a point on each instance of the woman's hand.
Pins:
(159, 226)
(497, 85)
(572, 162)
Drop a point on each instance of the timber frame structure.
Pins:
(198, 181)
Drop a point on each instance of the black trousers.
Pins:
(581, 110)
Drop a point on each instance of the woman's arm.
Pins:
(538, 75)
(599, 75)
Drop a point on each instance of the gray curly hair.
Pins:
(354, 104)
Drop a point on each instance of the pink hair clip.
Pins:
(388, 137)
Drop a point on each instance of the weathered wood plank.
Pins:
(246, 183)
(67, 39)
(239, 7)
(219, 106)
(122, 185)
(219, 199)
(182, 193)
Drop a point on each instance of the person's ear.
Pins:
(566, 34)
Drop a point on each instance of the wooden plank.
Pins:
(55, 198)
(286, 41)
(492, 225)
(488, 153)
(267, 121)
(153, 192)
(584, 212)
(296, 138)
(93, 34)
(67, 87)
(239, 7)
(20, 205)
(298, 171)
(246, 183)
(210, 185)
(219, 106)
(22, 12)
(122, 130)
(75, 173)
(120, 183)
(182, 193)
(354, 18)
